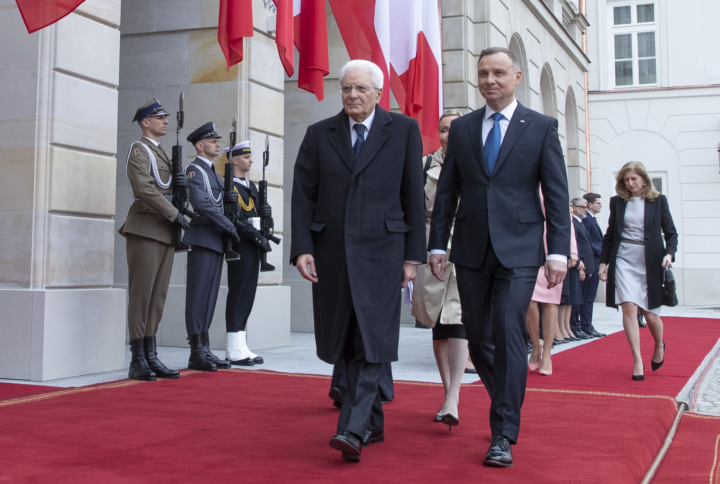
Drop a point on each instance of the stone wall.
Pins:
(167, 48)
(58, 114)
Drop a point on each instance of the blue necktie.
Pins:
(360, 128)
(493, 142)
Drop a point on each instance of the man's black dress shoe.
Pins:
(348, 443)
(420, 325)
(598, 332)
(337, 396)
(258, 360)
(499, 454)
(581, 334)
(197, 359)
(473, 371)
(244, 362)
(210, 356)
(373, 437)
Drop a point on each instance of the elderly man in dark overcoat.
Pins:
(357, 234)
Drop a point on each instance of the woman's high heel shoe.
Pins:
(639, 377)
(656, 366)
(438, 417)
(450, 420)
(533, 367)
(546, 373)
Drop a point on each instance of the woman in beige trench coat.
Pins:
(437, 304)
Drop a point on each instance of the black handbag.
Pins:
(669, 294)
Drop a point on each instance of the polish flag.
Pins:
(234, 23)
(304, 22)
(410, 54)
(38, 14)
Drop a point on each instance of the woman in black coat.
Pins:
(634, 255)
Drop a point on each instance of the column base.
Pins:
(61, 333)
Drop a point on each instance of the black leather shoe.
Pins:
(209, 355)
(420, 325)
(450, 420)
(581, 334)
(373, 437)
(243, 362)
(473, 371)
(258, 360)
(336, 393)
(139, 369)
(198, 361)
(598, 332)
(157, 366)
(499, 454)
(348, 443)
(656, 366)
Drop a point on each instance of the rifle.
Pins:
(267, 226)
(179, 194)
(230, 209)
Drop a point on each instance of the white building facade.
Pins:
(654, 97)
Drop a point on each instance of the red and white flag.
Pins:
(410, 52)
(304, 22)
(38, 14)
(234, 23)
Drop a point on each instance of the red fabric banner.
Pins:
(312, 44)
(285, 34)
(234, 23)
(38, 14)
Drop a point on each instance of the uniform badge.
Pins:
(135, 152)
(191, 174)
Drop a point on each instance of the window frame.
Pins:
(634, 28)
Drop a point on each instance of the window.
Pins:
(634, 36)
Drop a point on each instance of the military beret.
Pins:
(151, 108)
(207, 130)
(240, 149)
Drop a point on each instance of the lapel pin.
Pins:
(522, 120)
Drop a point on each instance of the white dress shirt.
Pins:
(207, 162)
(367, 123)
(487, 125)
(152, 141)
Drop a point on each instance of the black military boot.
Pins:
(221, 364)
(156, 365)
(139, 369)
(198, 361)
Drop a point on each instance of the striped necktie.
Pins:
(360, 128)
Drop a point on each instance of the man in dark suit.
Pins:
(204, 263)
(589, 269)
(357, 235)
(594, 206)
(497, 159)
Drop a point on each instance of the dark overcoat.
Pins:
(360, 219)
(503, 208)
(658, 223)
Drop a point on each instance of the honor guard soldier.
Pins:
(204, 265)
(243, 274)
(149, 244)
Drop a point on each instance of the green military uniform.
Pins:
(148, 230)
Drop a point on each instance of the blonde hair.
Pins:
(649, 192)
(447, 114)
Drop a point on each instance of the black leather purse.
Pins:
(669, 294)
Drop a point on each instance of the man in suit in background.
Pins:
(496, 160)
(589, 291)
(587, 257)
(357, 235)
(204, 263)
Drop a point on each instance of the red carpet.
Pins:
(14, 390)
(606, 364)
(244, 426)
(693, 455)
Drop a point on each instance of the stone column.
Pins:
(58, 112)
(166, 49)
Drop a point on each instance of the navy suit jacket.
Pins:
(595, 232)
(585, 248)
(503, 208)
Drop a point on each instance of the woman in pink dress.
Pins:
(540, 358)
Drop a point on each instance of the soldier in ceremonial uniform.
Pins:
(150, 250)
(243, 274)
(204, 266)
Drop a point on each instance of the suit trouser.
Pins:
(242, 286)
(589, 289)
(494, 302)
(149, 269)
(385, 383)
(361, 409)
(204, 268)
